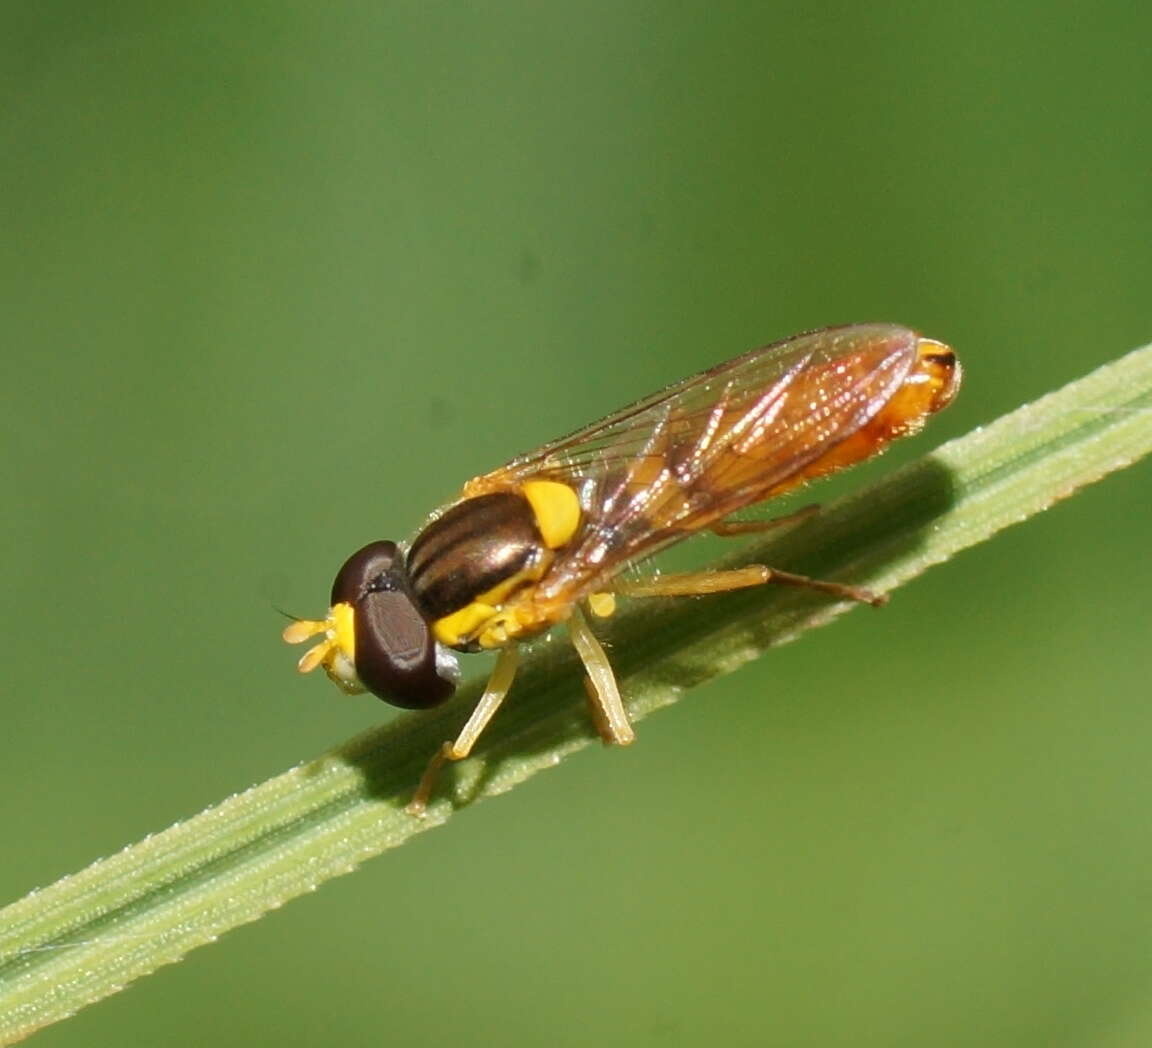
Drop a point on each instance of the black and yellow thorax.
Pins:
(472, 569)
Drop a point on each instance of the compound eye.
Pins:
(396, 655)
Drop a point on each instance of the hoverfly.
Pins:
(526, 546)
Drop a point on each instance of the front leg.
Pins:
(499, 684)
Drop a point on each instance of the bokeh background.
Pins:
(277, 277)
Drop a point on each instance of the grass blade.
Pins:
(92, 933)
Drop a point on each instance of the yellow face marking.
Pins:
(344, 622)
(557, 510)
(336, 652)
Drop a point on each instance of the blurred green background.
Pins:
(278, 277)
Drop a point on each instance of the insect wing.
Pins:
(714, 443)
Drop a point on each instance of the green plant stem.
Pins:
(94, 932)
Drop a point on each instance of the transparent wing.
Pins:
(680, 459)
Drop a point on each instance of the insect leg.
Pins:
(498, 686)
(729, 528)
(835, 589)
(698, 583)
(605, 704)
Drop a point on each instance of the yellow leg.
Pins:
(605, 704)
(698, 583)
(498, 686)
(729, 528)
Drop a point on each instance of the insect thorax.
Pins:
(471, 561)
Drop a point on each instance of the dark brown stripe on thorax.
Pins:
(475, 545)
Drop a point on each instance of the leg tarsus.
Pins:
(596, 712)
(418, 805)
(499, 683)
(835, 589)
